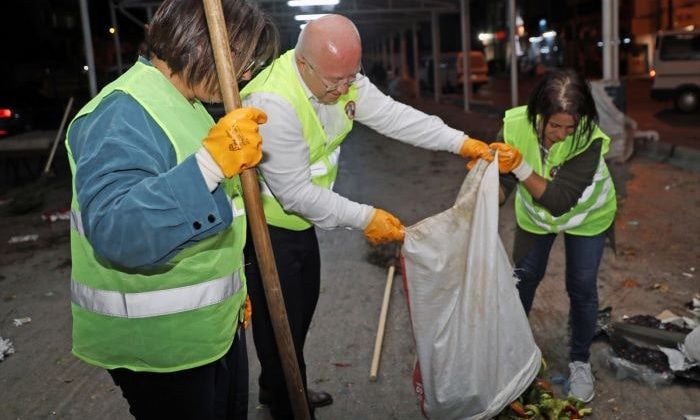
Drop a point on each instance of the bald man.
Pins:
(312, 95)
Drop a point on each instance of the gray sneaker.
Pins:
(581, 381)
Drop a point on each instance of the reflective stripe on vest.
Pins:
(546, 221)
(318, 169)
(76, 222)
(154, 303)
(238, 206)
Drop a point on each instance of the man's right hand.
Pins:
(234, 142)
(473, 149)
(384, 227)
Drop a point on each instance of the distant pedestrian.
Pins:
(157, 220)
(555, 153)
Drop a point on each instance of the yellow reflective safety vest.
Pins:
(179, 315)
(281, 79)
(594, 211)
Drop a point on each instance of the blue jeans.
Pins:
(583, 255)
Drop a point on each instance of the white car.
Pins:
(676, 70)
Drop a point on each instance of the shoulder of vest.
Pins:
(517, 112)
(272, 71)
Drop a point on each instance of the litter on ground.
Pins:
(23, 238)
(18, 322)
(6, 348)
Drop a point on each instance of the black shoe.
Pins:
(316, 398)
(319, 398)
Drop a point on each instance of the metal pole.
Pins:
(117, 43)
(385, 61)
(416, 68)
(435, 30)
(392, 56)
(607, 40)
(611, 40)
(404, 55)
(513, 55)
(87, 39)
(466, 48)
(616, 39)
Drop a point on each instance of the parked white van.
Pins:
(676, 69)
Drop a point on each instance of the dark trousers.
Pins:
(299, 267)
(218, 390)
(583, 255)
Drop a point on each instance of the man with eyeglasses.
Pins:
(312, 94)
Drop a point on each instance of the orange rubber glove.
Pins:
(248, 312)
(508, 157)
(474, 150)
(383, 227)
(234, 142)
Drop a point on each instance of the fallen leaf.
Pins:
(661, 287)
(630, 284)
(627, 251)
(665, 314)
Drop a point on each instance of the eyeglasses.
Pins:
(336, 86)
(249, 66)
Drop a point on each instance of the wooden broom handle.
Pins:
(256, 218)
(374, 368)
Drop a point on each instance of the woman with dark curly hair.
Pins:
(554, 152)
(157, 286)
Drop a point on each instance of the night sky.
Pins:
(43, 42)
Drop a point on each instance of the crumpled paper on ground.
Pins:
(692, 344)
(5, 348)
(688, 354)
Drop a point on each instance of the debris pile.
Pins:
(539, 402)
(656, 349)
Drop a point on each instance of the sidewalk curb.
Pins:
(678, 156)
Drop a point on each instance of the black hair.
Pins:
(178, 34)
(563, 91)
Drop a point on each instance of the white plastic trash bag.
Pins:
(476, 353)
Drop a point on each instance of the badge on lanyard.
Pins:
(350, 110)
(553, 171)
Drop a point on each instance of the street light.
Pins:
(309, 17)
(302, 3)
